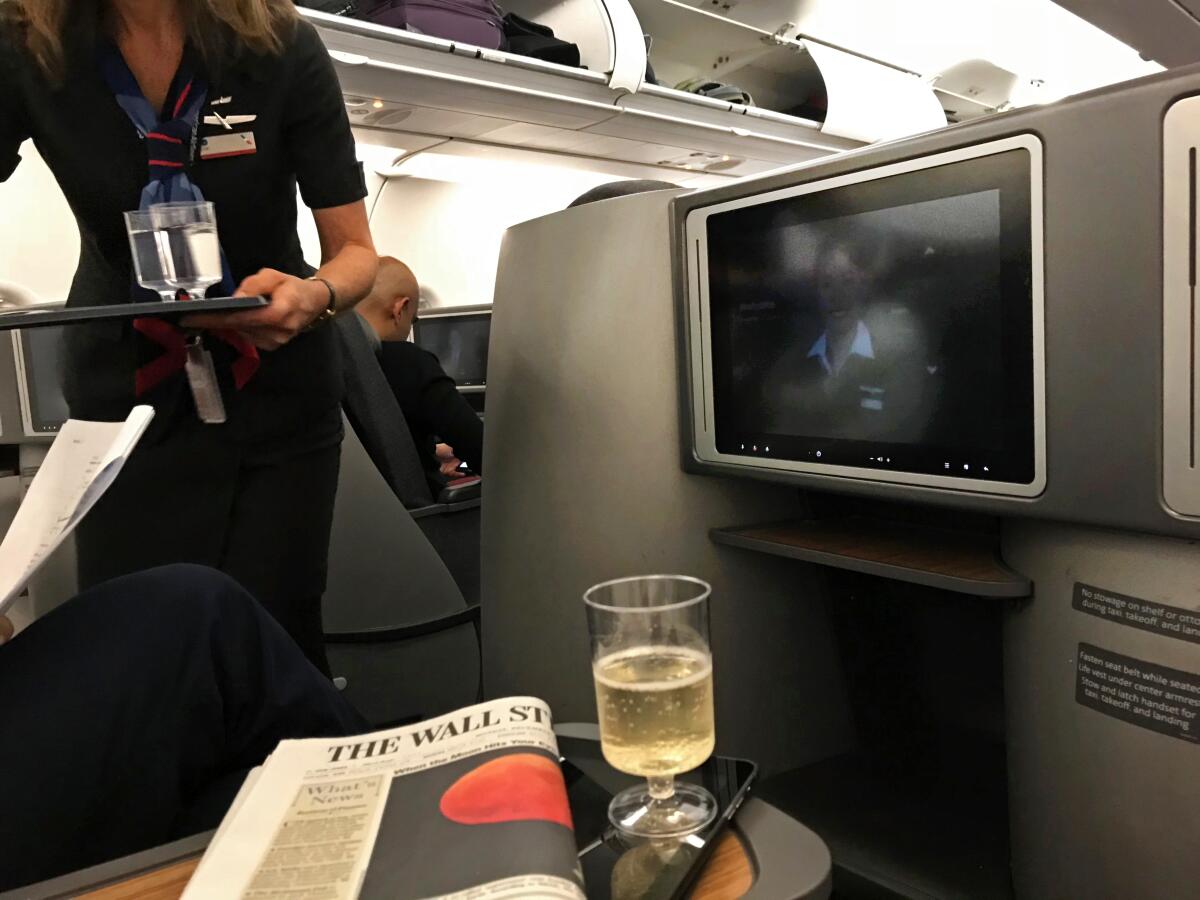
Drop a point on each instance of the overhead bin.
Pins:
(843, 94)
(610, 42)
(399, 81)
(411, 71)
(607, 33)
(871, 102)
(724, 139)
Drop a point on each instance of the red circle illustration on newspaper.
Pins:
(513, 788)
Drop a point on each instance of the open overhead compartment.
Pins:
(605, 31)
(779, 76)
(607, 34)
(988, 55)
(398, 81)
(406, 73)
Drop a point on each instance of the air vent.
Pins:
(378, 113)
(708, 162)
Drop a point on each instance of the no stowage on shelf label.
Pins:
(1170, 621)
(1145, 694)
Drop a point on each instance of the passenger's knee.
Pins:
(180, 595)
(187, 579)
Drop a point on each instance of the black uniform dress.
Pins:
(254, 496)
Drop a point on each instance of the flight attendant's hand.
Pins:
(295, 304)
(6, 629)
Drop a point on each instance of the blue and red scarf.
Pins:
(170, 146)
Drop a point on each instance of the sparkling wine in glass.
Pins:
(652, 668)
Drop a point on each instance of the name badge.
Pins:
(238, 143)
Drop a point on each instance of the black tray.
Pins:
(35, 317)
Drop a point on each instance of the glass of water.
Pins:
(175, 248)
(652, 667)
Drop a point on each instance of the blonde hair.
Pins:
(258, 25)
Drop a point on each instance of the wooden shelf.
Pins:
(962, 562)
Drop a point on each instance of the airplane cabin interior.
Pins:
(890, 340)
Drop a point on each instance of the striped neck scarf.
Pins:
(170, 143)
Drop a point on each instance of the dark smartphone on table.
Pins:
(616, 868)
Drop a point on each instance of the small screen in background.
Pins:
(459, 342)
(883, 324)
(43, 357)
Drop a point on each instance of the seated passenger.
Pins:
(428, 397)
(132, 713)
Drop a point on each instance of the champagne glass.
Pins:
(652, 667)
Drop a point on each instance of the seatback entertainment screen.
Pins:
(884, 325)
(460, 342)
(44, 408)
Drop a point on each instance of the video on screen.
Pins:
(882, 326)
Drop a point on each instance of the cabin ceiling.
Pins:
(1052, 48)
(1166, 31)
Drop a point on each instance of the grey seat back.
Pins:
(372, 409)
(584, 484)
(384, 574)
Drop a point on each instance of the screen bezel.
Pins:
(459, 313)
(24, 393)
(704, 447)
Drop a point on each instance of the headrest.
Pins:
(13, 294)
(621, 189)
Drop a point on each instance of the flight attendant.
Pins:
(132, 102)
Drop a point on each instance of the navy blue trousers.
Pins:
(130, 715)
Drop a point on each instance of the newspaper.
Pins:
(468, 806)
(83, 462)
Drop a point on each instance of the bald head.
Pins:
(392, 304)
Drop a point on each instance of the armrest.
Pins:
(468, 616)
(462, 490)
(441, 509)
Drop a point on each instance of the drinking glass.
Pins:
(652, 667)
(175, 247)
(191, 230)
(151, 252)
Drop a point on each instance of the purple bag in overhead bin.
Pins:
(477, 22)
(391, 13)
